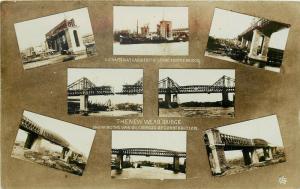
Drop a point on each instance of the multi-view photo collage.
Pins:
(190, 93)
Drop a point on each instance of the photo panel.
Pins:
(148, 155)
(244, 146)
(53, 143)
(57, 38)
(247, 40)
(140, 30)
(105, 92)
(208, 93)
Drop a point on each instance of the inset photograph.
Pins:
(148, 155)
(53, 143)
(105, 92)
(247, 40)
(244, 146)
(57, 38)
(158, 31)
(204, 93)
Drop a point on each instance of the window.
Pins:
(76, 38)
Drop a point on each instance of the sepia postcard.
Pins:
(105, 92)
(135, 155)
(254, 41)
(57, 38)
(53, 143)
(206, 93)
(150, 94)
(151, 30)
(244, 146)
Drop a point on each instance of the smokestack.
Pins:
(137, 27)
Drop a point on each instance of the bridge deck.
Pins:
(149, 152)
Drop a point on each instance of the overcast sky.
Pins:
(32, 33)
(197, 77)
(167, 140)
(228, 24)
(79, 137)
(125, 17)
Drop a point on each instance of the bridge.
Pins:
(36, 134)
(256, 38)
(83, 88)
(148, 152)
(216, 143)
(224, 85)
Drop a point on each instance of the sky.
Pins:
(168, 140)
(126, 17)
(228, 24)
(266, 128)
(197, 77)
(80, 138)
(113, 77)
(32, 32)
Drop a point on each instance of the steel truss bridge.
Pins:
(266, 26)
(36, 133)
(31, 127)
(217, 142)
(225, 83)
(233, 142)
(149, 152)
(84, 86)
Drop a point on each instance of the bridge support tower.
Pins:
(168, 99)
(216, 152)
(83, 103)
(259, 48)
(176, 167)
(246, 155)
(31, 137)
(225, 99)
(37, 144)
(175, 98)
(33, 142)
(268, 153)
(254, 157)
(119, 161)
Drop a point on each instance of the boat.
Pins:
(144, 40)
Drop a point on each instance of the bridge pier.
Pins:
(215, 151)
(64, 152)
(31, 137)
(268, 153)
(168, 99)
(36, 146)
(254, 157)
(175, 98)
(244, 42)
(176, 168)
(225, 99)
(119, 161)
(83, 103)
(259, 48)
(246, 155)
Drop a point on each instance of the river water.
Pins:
(177, 48)
(147, 173)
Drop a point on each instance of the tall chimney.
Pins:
(137, 27)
